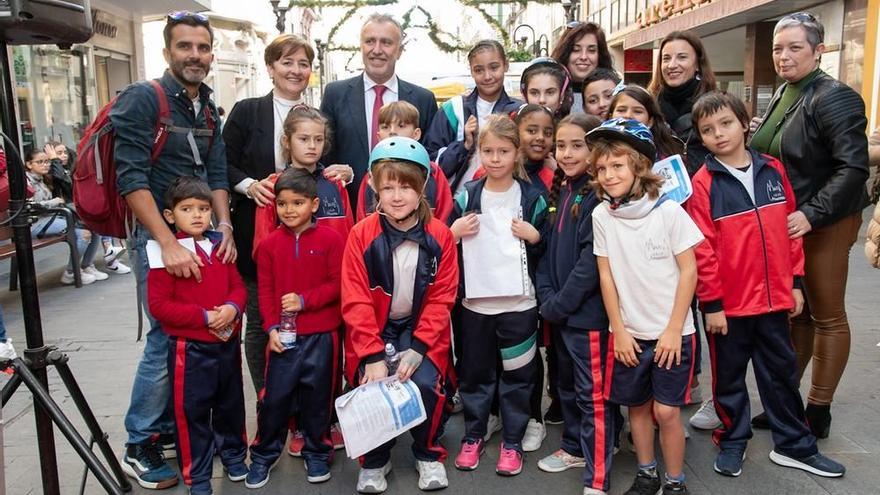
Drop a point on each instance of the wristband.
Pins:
(227, 224)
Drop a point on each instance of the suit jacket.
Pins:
(343, 105)
(250, 152)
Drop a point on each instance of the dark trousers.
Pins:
(425, 446)
(299, 382)
(588, 429)
(511, 339)
(255, 338)
(208, 405)
(766, 341)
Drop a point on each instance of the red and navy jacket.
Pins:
(334, 210)
(308, 264)
(534, 211)
(181, 305)
(437, 192)
(568, 275)
(748, 265)
(368, 282)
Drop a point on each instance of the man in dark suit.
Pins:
(352, 107)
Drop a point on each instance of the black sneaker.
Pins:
(644, 484)
(729, 462)
(672, 487)
(553, 416)
(817, 464)
(145, 464)
(166, 444)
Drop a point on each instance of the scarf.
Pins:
(634, 208)
(678, 101)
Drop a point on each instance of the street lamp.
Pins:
(280, 14)
(523, 40)
(542, 46)
(321, 46)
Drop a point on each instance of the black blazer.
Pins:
(250, 152)
(343, 105)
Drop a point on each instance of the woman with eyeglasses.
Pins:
(682, 74)
(582, 49)
(37, 163)
(816, 125)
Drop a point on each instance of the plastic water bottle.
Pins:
(287, 329)
(392, 358)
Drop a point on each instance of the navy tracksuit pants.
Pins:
(512, 339)
(588, 429)
(766, 341)
(208, 401)
(299, 382)
(425, 446)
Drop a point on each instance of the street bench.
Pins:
(7, 246)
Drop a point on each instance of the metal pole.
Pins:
(24, 255)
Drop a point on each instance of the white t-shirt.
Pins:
(507, 200)
(747, 177)
(405, 259)
(484, 110)
(641, 252)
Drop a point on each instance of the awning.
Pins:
(152, 8)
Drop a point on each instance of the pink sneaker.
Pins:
(468, 457)
(297, 442)
(509, 462)
(336, 437)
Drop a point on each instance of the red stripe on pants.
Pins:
(180, 413)
(598, 410)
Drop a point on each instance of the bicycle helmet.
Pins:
(632, 132)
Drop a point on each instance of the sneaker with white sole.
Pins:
(98, 274)
(493, 425)
(816, 464)
(118, 267)
(111, 254)
(535, 434)
(373, 480)
(145, 464)
(560, 461)
(67, 278)
(432, 475)
(706, 418)
(7, 351)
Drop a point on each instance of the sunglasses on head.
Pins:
(183, 15)
(803, 17)
(574, 24)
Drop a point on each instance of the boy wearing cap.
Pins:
(644, 246)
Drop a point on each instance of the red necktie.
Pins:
(377, 105)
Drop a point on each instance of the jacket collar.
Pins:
(759, 160)
(173, 85)
(212, 235)
(470, 101)
(397, 237)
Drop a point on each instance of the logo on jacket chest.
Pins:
(331, 207)
(775, 192)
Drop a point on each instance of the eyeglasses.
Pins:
(184, 15)
(41, 162)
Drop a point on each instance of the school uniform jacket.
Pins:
(748, 265)
(308, 264)
(437, 192)
(534, 211)
(440, 140)
(368, 282)
(568, 276)
(334, 210)
(181, 304)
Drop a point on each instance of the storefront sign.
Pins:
(661, 10)
(103, 24)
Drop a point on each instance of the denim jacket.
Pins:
(134, 117)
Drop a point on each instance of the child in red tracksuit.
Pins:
(298, 271)
(749, 285)
(201, 316)
(401, 278)
(401, 118)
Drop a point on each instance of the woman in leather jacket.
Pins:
(681, 75)
(816, 126)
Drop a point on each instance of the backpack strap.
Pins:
(162, 122)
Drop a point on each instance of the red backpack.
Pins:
(98, 202)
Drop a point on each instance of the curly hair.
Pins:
(646, 181)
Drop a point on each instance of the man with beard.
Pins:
(352, 105)
(193, 148)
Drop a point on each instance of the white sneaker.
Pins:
(535, 434)
(118, 267)
(98, 274)
(560, 461)
(492, 426)
(593, 491)
(7, 351)
(373, 480)
(86, 278)
(705, 418)
(111, 254)
(432, 475)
